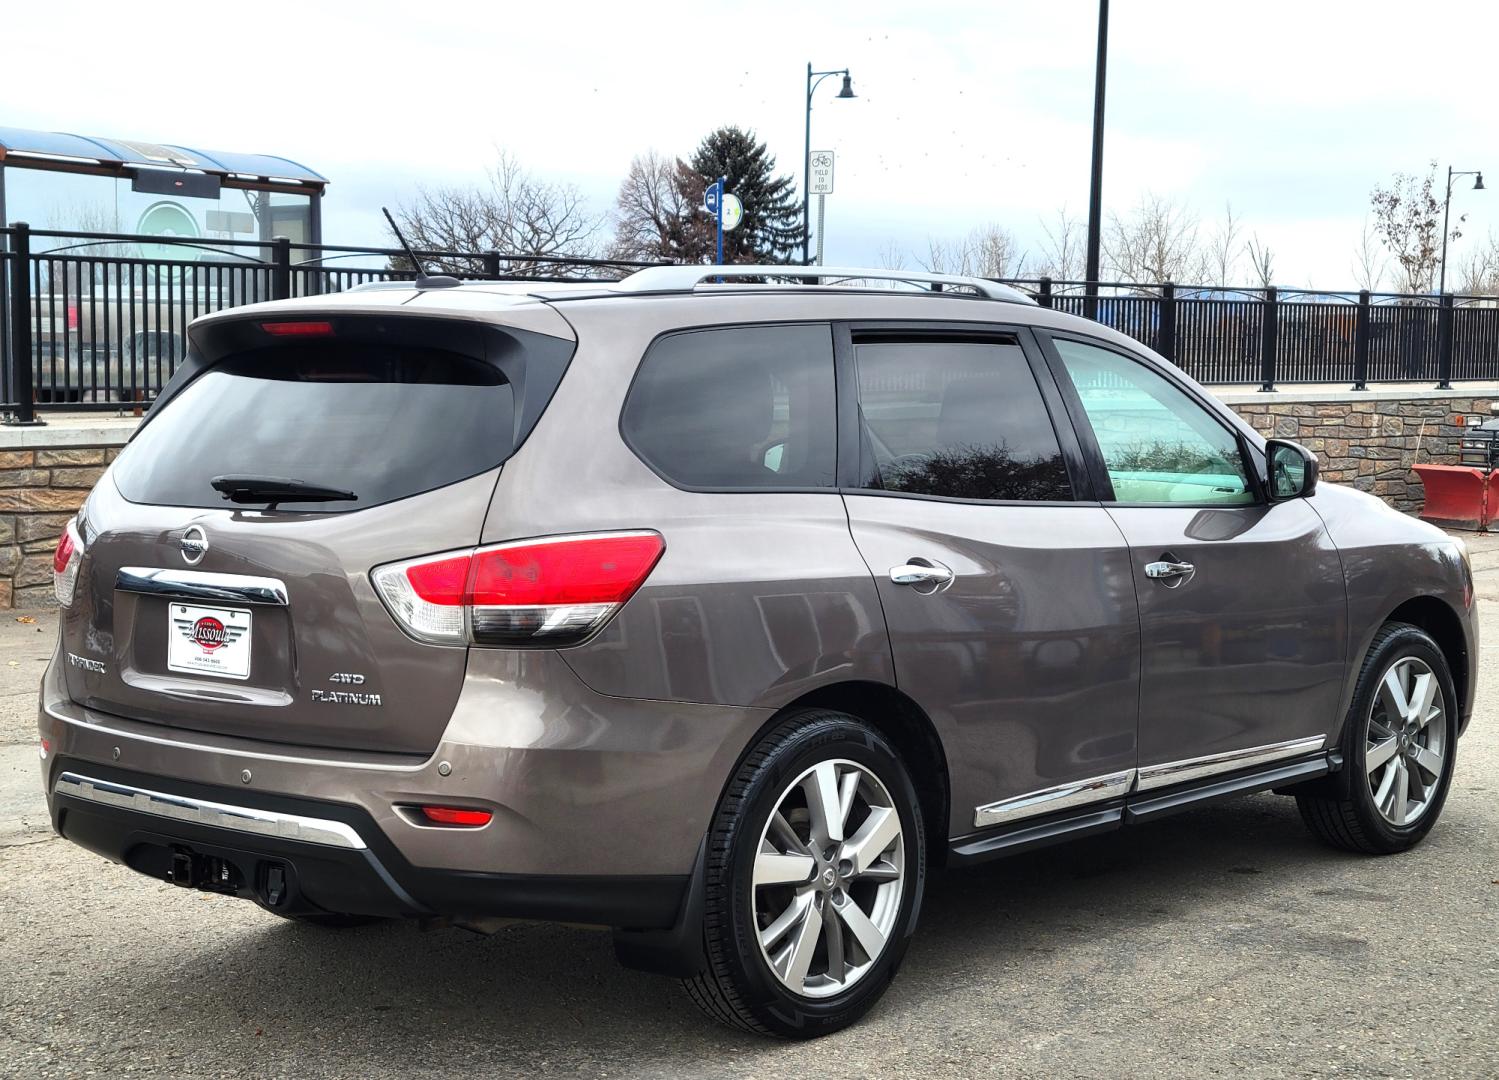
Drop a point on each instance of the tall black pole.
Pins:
(1446, 209)
(807, 178)
(1095, 190)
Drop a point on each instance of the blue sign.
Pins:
(712, 196)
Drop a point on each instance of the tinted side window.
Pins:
(959, 419)
(1158, 444)
(739, 407)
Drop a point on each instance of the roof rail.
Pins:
(677, 279)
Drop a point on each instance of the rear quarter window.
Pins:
(737, 408)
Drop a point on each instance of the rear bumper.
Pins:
(599, 804)
(298, 856)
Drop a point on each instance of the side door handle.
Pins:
(912, 573)
(1168, 570)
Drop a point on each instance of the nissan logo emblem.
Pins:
(194, 545)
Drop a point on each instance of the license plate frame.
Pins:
(209, 640)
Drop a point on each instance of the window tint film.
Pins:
(958, 419)
(1159, 445)
(741, 407)
(382, 421)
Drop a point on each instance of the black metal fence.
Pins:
(98, 320)
(1271, 336)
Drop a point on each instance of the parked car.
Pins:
(718, 615)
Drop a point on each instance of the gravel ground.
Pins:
(1220, 942)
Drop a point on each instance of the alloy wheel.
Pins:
(1405, 751)
(828, 879)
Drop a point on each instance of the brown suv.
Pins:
(717, 614)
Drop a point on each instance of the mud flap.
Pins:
(677, 952)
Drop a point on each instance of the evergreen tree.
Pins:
(771, 231)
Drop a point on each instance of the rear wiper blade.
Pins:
(276, 489)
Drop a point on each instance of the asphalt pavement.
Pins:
(1223, 941)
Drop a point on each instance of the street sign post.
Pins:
(820, 183)
(726, 209)
(822, 173)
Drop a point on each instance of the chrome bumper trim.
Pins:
(201, 585)
(1061, 797)
(1181, 772)
(242, 819)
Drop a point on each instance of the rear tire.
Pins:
(1399, 747)
(814, 871)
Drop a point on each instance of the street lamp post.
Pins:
(1446, 208)
(846, 92)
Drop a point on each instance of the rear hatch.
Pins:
(215, 596)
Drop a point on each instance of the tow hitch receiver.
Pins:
(206, 872)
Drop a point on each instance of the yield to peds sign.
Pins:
(822, 173)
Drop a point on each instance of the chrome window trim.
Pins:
(242, 819)
(198, 585)
(1180, 772)
(1047, 800)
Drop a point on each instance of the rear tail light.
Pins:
(543, 593)
(72, 316)
(65, 561)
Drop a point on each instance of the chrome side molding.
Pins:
(1116, 785)
(242, 819)
(1047, 800)
(1180, 772)
(201, 585)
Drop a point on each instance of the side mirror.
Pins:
(1293, 470)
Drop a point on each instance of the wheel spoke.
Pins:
(868, 935)
(832, 927)
(773, 868)
(1386, 785)
(789, 918)
(821, 787)
(1415, 786)
(1423, 694)
(1380, 753)
(786, 834)
(879, 830)
(848, 787)
(1399, 791)
(795, 961)
(1429, 760)
(1392, 693)
(883, 870)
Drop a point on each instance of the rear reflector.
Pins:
(545, 593)
(298, 329)
(452, 815)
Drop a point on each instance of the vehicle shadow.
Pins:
(392, 997)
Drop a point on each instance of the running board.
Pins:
(1135, 809)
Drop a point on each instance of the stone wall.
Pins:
(1369, 439)
(39, 490)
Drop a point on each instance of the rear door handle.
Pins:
(917, 574)
(1168, 570)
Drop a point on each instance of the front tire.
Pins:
(815, 867)
(1399, 747)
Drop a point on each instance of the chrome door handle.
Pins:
(1168, 569)
(916, 574)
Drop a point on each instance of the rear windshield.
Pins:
(381, 421)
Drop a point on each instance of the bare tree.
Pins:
(1221, 260)
(1407, 217)
(1478, 274)
(1261, 261)
(1062, 252)
(1369, 263)
(649, 210)
(989, 251)
(513, 213)
(1157, 242)
(892, 256)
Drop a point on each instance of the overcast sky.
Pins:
(967, 113)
